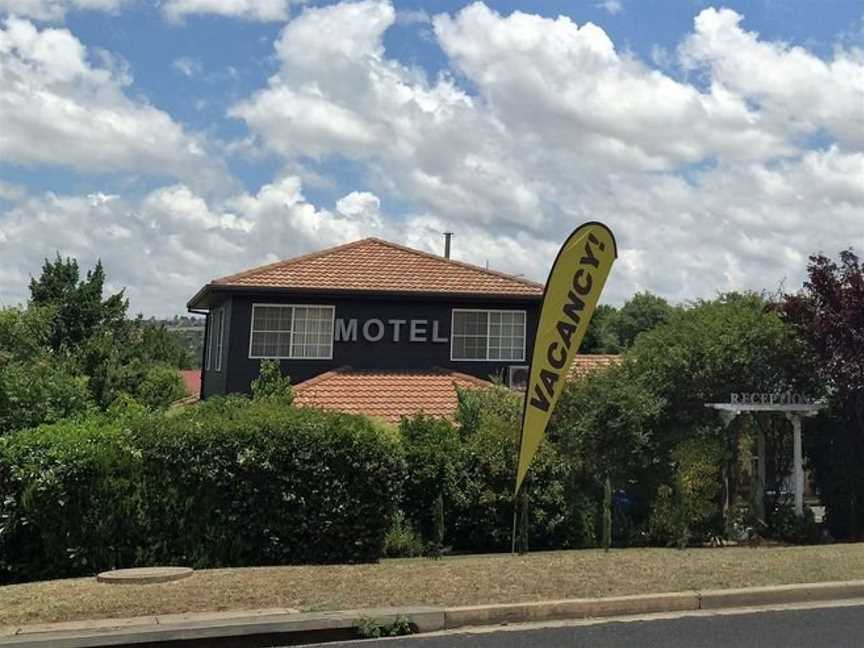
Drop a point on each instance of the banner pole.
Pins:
(513, 537)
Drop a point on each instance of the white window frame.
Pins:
(488, 335)
(332, 310)
(216, 365)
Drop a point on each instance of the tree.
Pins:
(606, 421)
(599, 338)
(40, 391)
(156, 344)
(24, 333)
(735, 343)
(80, 308)
(829, 314)
(642, 312)
(612, 330)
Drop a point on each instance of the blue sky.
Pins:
(184, 128)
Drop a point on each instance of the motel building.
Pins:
(371, 327)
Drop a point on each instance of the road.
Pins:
(841, 626)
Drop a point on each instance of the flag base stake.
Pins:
(513, 537)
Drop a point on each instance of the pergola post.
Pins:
(760, 483)
(797, 463)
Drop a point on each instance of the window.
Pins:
(292, 332)
(214, 347)
(487, 335)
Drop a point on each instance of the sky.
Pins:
(182, 140)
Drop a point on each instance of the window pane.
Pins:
(219, 338)
(313, 332)
(271, 344)
(271, 318)
(506, 335)
(469, 322)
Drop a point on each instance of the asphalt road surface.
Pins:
(833, 627)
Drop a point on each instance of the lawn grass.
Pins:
(453, 581)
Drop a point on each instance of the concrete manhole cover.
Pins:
(144, 575)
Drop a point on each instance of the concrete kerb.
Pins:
(165, 629)
(182, 627)
(476, 615)
(779, 594)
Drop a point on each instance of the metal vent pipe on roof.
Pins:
(447, 237)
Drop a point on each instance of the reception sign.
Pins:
(572, 291)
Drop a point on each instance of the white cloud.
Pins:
(57, 107)
(611, 6)
(167, 244)
(708, 182)
(413, 17)
(795, 90)
(361, 205)
(187, 66)
(55, 10)
(259, 10)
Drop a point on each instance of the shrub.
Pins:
(160, 387)
(474, 467)
(667, 524)
(371, 628)
(402, 541)
(270, 383)
(785, 525)
(432, 451)
(44, 390)
(690, 509)
(435, 548)
(230, 482)
(238, 482)
(68, 506)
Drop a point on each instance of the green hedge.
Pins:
(229, 482)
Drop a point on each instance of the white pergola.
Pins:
(794, 412)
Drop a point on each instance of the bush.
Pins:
(474, 467)
(690, 509)
(160, 387)
(229, 482)
(432, 454)
(785, 525)
(44, 390)
(270, 383)
(68, 506)
(402, 541)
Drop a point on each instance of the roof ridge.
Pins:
(470, 266)
(321, 377)
(464, 376)
(373, 239)
(599, 355)
(293, 260)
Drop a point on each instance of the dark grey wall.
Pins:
(214, 382)
(239, 370)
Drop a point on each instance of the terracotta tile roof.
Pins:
(584, 364)
(375, 265)
(388, 395)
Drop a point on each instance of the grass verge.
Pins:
(466, 580)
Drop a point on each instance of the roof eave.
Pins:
(198, 301)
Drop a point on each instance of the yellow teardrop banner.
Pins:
(572, 291)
